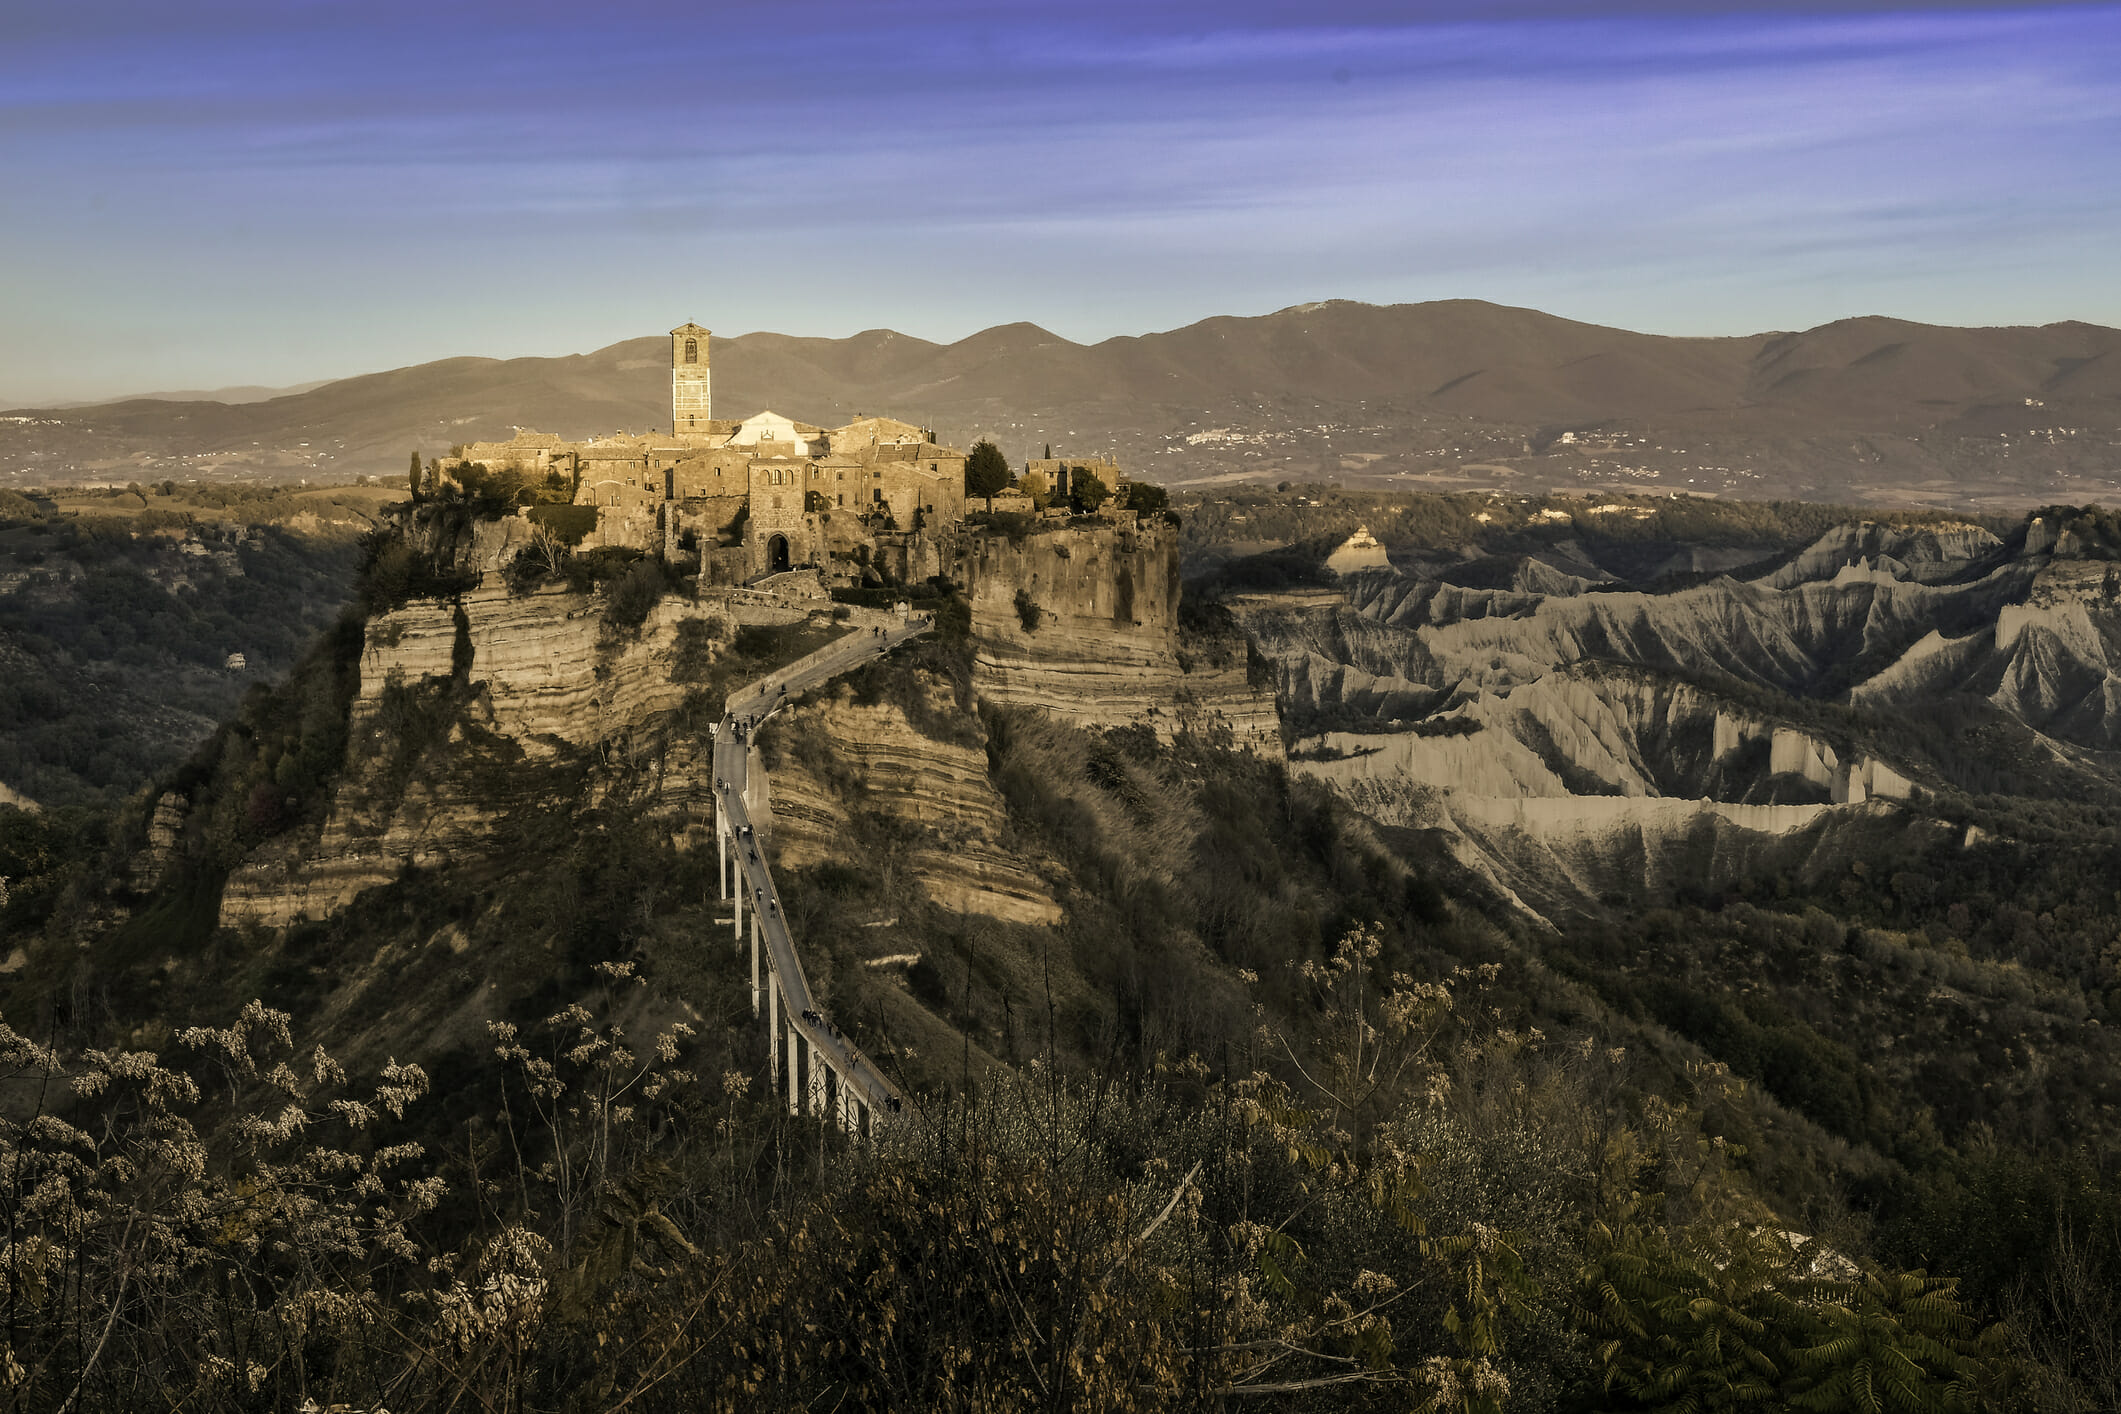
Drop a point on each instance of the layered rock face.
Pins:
(1601, 731)
(540, 677)
(1552, 724)
(477, 715)
(551, 674)
(1924, 553)
(883, 764)
(1083, 622)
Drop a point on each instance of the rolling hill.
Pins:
(1451, 393)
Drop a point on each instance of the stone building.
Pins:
(756, 497)
(1051, 475)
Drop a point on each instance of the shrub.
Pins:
(1014, 524)
(392, 573)
(695, 653)
(1086, 490)
(594, 567)
(629, 598)
(1143, 498)
(567, 524)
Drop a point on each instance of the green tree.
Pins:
(1086, 491)
(986, 470)
(1734, 1317)
(417, 474)
(1894, 1343)
(1144, 498)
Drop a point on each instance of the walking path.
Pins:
(826, 1072)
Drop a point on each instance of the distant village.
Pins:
(769, 495)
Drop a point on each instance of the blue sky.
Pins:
(271, 191)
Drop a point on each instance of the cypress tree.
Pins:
(986, 470)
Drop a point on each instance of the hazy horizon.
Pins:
(256, 392)
(251, 195)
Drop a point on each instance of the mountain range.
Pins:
(1449, 394)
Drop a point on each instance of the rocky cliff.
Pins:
(880, 763)
(1083, 622)
(499, 710)
(508, 682)
(478, 717)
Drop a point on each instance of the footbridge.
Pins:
(820, 1070)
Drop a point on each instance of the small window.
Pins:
(692, 351)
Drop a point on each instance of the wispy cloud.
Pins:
(486, 175)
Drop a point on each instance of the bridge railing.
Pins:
(837, 1067)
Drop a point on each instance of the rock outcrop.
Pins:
(1083, 622)
(1360, 551)
(1925, 553)
(537, 681)
(1520, 718)
(881, 764)
(475, 714)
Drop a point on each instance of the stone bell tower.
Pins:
(690, 403)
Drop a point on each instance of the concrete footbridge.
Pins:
(825, 1073)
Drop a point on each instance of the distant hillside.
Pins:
(1447, 395)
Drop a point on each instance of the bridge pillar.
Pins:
(721, 848)
(754, 965)
(773, 1031)
(795, 1076)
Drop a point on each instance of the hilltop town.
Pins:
(767, 495)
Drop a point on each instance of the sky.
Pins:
(201, 193)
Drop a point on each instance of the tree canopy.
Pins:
(1086, 490)
(986, 470)
(1145, 498)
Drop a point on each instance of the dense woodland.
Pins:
(1286, 1114)
(119, 613)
